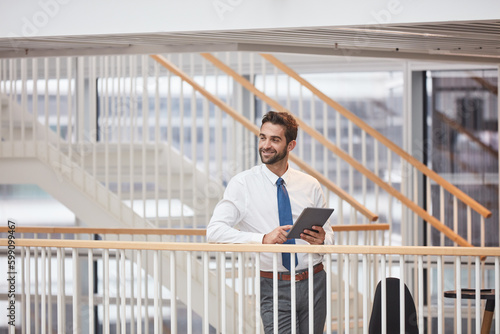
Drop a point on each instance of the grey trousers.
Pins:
(302, 304)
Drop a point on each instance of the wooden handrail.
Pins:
(360, 227)
(161, 231)
(255, 130)
(209, 247)
(457, 127)
(343, 155)
(92, 230)
(486, 84)
(385, 141)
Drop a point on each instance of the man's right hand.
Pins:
(277, 236)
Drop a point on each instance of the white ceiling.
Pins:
(477, 42)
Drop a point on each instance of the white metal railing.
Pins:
(371, 234)
(134, 300)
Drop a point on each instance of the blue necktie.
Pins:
(285, 214)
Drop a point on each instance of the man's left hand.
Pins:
(315, 236)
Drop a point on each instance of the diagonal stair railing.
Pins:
(388, 143)
(426, 216)
(254, 129)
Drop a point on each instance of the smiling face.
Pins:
(273, 148)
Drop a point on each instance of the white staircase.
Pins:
(28, 159)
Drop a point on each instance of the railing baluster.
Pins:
(402, 293)
(497, 293)
(338, 169)
(58, 107)
(206, 303)
(206, 149)
(11, 97)
(145, 132)
(24, 103)
(355, 269)
(60, 291)
(241, 279)
(301, 116)
(420, 309)
(76, 282)
(27, 291)
(69, 122)
(458, 288)
(173, 294)
(194, 143)
(91, 287)
(94, 128)
(43, 306)
(347, 294)
(258, 324)
(366, 294)
(49, 287)
(106, 306)
(132, 129)
(483, 244)
(478, 293)
(156, 292)
(169, 146)
(189, 303)
(139, 292)
(364, 162)
(312, 121)
(34, 119)
(223, 305)
(123, 292)
(440, 303)
(106, 123)
(157, 141)
(275, 292)
(442, 212)
(182, 140)
(455, 214)
(36, 292)
(146, 292)
(383, 289)
(133, 288)
(117, 289)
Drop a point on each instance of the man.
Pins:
(251, 202)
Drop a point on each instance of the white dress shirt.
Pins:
(249, 210)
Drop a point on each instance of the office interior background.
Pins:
(133, 118)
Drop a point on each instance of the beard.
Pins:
(278, 156)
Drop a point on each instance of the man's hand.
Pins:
(316, 236)
(277, 236)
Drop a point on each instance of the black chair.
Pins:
(393, 309)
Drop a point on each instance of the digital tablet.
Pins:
(308, 218)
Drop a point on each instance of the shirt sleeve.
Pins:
(227, 214)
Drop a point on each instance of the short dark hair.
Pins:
(283, 118)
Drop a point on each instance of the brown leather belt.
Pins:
(298, 277)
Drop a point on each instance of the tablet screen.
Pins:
(308, 218)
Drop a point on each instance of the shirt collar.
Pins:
(273, 177)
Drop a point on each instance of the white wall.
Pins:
(30, 18)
